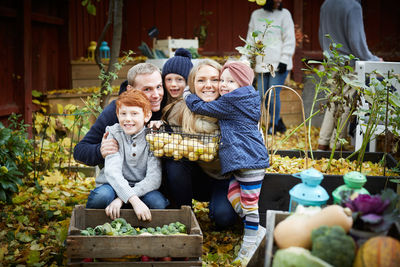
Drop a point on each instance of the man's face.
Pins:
(151, 85)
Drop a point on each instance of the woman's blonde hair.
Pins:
(192, 122)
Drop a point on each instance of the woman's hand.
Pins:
(113, 210)
(142, 211)
(108, 146)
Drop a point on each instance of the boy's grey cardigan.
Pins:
(134, 170)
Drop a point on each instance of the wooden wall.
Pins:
(229, 19)
(39, 38)
(175, 18)
(34, 51)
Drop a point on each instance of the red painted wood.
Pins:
(178, 20)
(27, 62)
(224, 20)
(193, 18)
(147, 15)
(162, 19)
(211, 43)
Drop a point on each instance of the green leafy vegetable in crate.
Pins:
(119, 226)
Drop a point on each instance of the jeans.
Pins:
(327, 133)
(186, 180)
(102, 196)
(269, 81)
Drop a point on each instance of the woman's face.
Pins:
(206, 83)
(277, 3)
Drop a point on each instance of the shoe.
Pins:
(323, 147)
(246, 252)
(281, 127)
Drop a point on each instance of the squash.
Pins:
(382, 251)
(296, 229)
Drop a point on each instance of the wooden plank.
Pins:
(162, 18)
(273, 218)
(121, 246)
(178, 20)
(185, 263)
(27, 61)
(8, 109)
(211, 42)
(224, 26)
(95, 217)
(47, 19)
(8, 12)
(93, 82)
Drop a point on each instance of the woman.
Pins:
(187, 180)
(280, 45)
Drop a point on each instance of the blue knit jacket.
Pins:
(87, 150)
(238, 112)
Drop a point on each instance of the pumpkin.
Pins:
(382, 251)
(295, 230)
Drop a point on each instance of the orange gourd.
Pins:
(382, 251)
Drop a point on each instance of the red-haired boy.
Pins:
(132, 175)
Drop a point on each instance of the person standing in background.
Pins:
(343, 21)
(280, 44)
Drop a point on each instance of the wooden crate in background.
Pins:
(86, 74)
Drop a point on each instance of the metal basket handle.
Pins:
(264, 120)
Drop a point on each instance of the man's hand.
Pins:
(155, 125)
(108, 146)
(142, 211)
(113, 210)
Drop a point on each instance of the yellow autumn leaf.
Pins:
(60, 109)
(52, 178)
(222, 249)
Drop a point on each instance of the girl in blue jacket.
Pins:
(242, 152)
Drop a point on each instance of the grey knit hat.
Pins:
(180, 64)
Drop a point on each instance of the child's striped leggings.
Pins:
(243, 193)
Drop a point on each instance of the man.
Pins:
(343, 21)
(94, 147)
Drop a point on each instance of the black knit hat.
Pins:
(180, 64)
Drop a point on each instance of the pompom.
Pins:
(183, 53)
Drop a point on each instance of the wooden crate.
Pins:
(276, 216)
(86, 73)
(176, 246)
(169, 45)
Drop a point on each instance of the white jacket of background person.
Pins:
(280, 41)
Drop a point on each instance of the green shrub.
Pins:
(15, 152)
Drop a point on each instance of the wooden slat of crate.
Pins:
(79, 246)
(188, 263)
(86, 74)
(120, 246)
(273, 218)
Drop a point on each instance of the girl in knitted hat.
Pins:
(242, 152)
(175, 73)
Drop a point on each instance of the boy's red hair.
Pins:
(133, 98)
